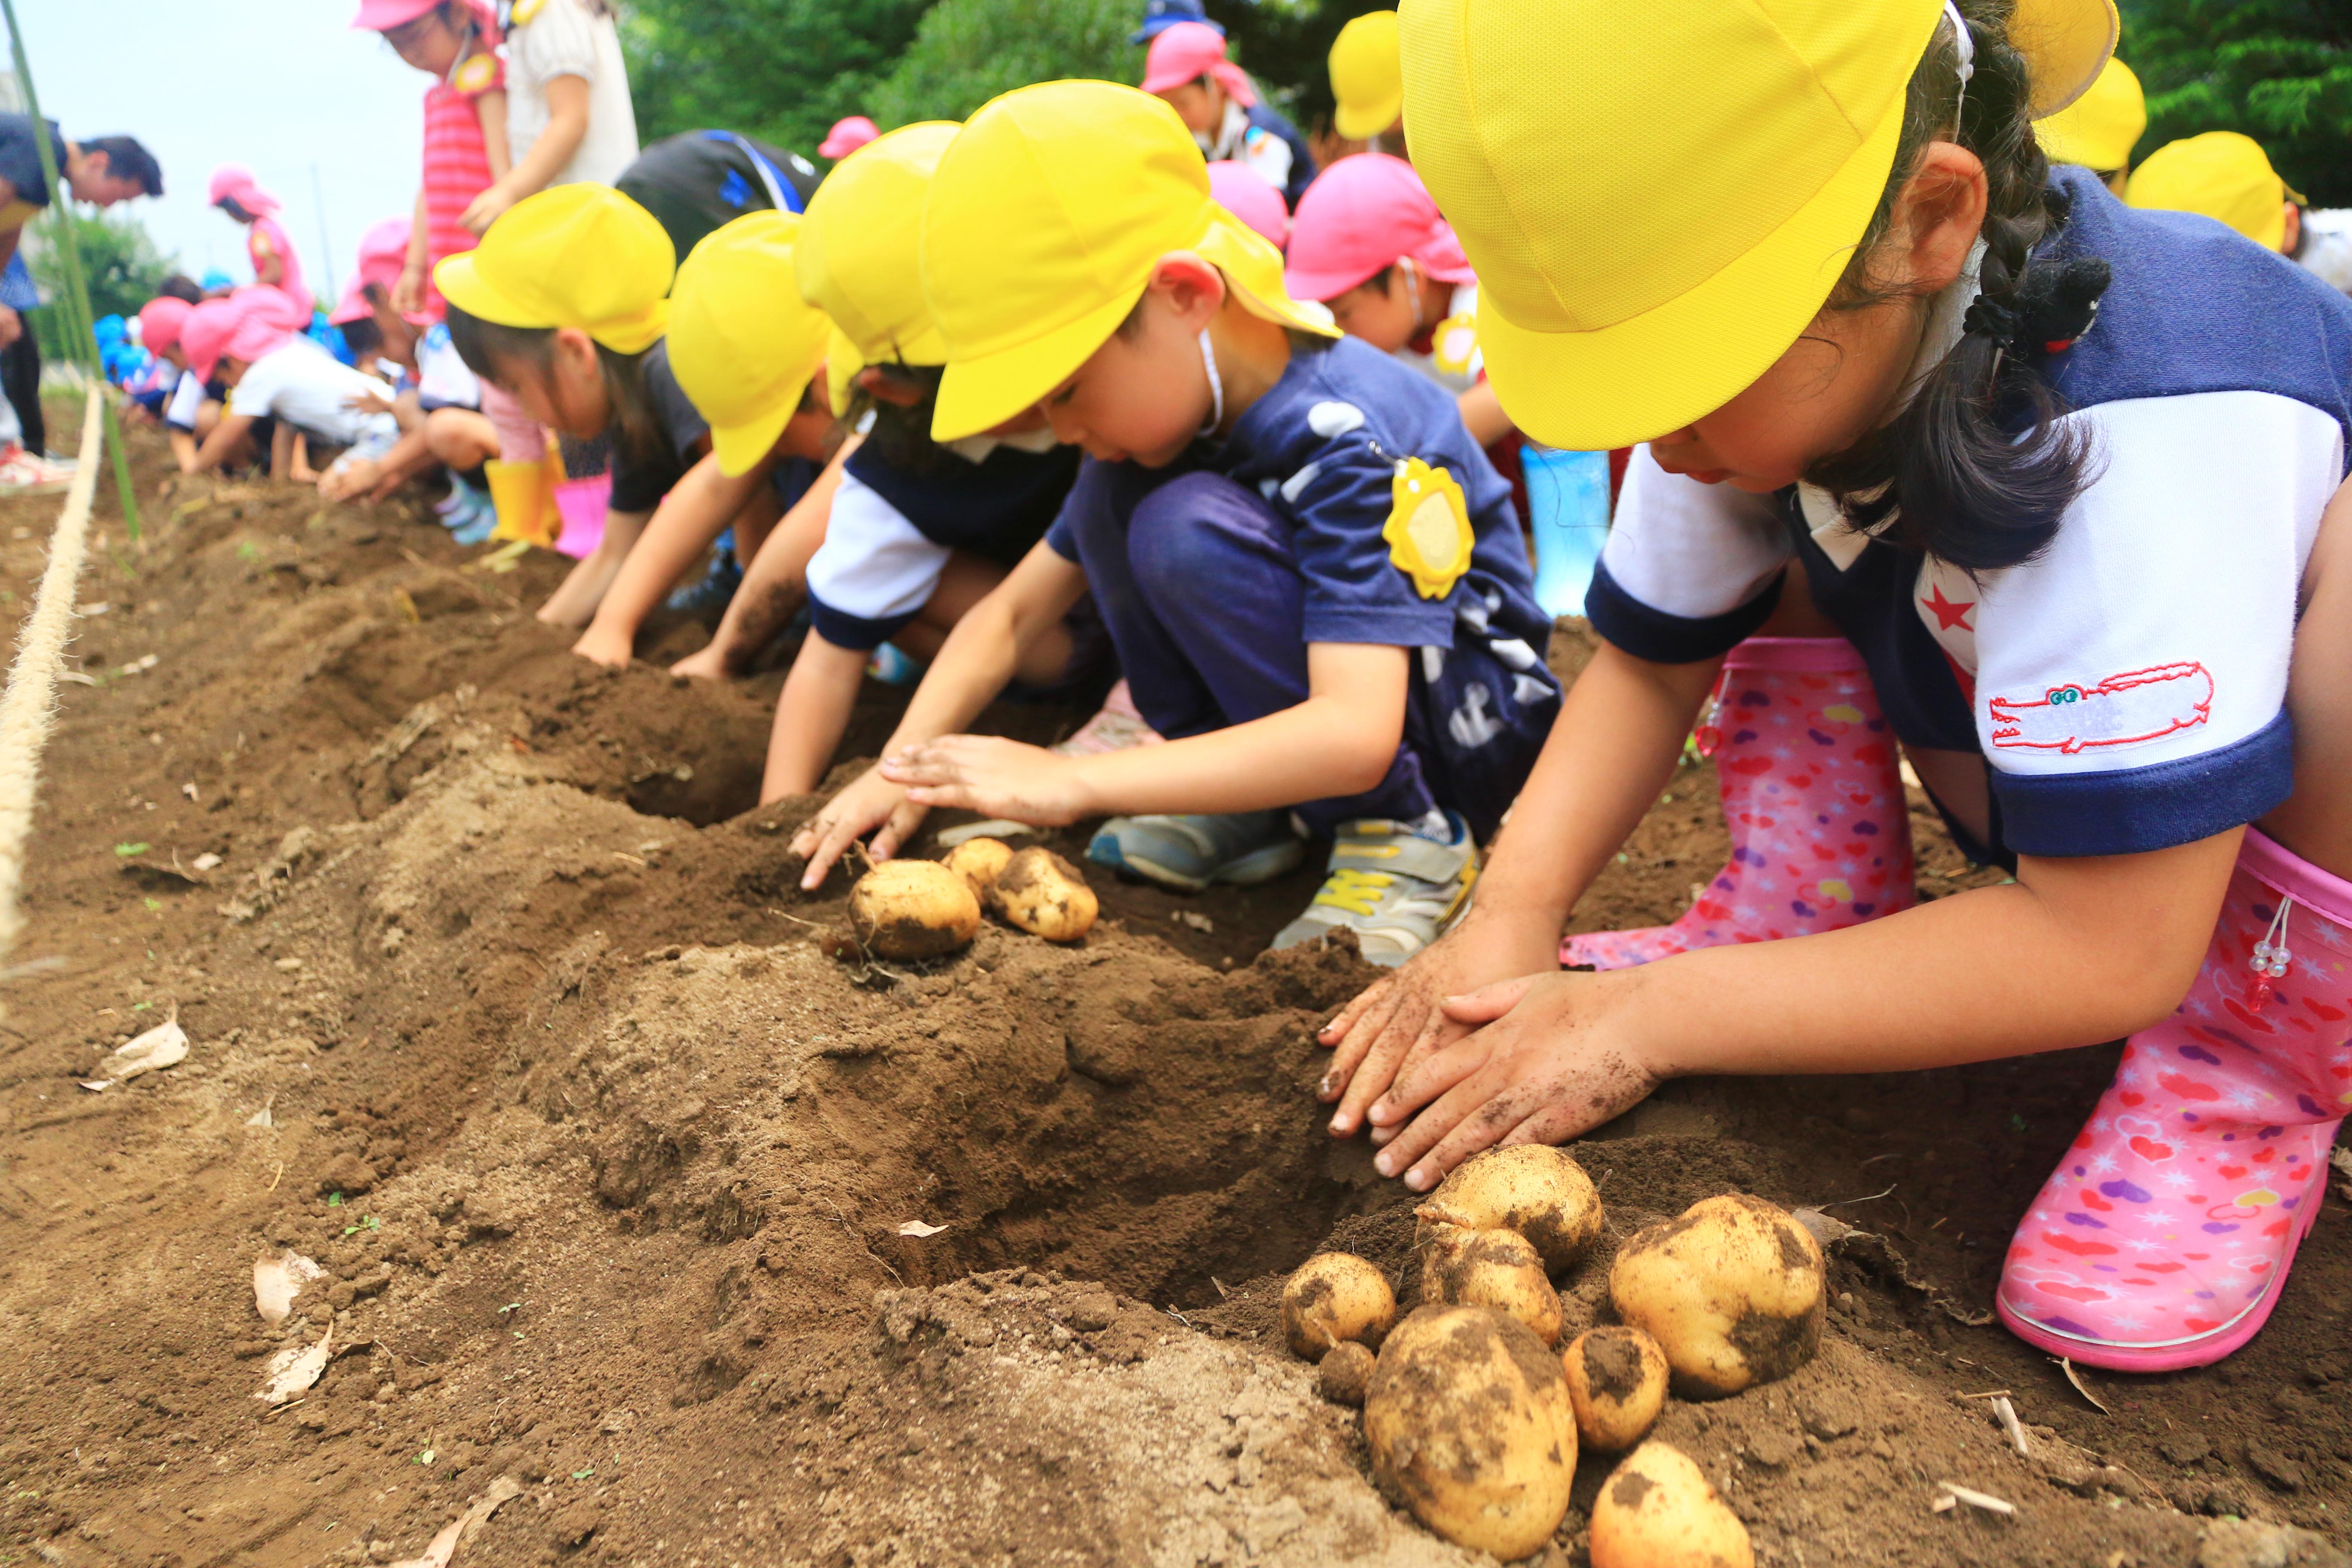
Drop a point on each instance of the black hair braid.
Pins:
(1977, 470)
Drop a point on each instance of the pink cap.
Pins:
(383, 16)
(205, 333)
(1250, 197)
(847, 136)
(236, 180)
(160, 321)
(1364, 213)
(1189, 51)
(246, 325)
(383, 251)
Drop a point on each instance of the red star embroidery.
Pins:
(1947, 613)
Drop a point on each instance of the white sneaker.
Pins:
(23, 474)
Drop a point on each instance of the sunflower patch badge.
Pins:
(1453, 346)
(1428, 530)
(476, 73)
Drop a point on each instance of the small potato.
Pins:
(1617, 1382)
(1497, 1268)
(1468, 1418)
(1536, 1190)
(1657, 1509)
(1733, 1291)
(912, 909)
(1044, 894)
(980, 861)
(1346, 1369)
(1336, 1297)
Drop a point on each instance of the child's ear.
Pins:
(884, 388)
(1190, 287)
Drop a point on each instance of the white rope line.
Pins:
(29, 703)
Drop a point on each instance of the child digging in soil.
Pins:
(2071, 543)
(1312, 576)
(911, 532)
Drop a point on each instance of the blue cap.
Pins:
(1159, 15)
(216, 279)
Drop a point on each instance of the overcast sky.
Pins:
(284, 86)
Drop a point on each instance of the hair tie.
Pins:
(2055, 305)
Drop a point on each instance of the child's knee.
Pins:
(1188, 535)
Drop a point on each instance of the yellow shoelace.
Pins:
(1358, 892)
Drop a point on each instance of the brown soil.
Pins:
(507, 1012)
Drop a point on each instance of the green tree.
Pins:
(968, 51)
(119, 262)
(783, 71)
(2278, 70)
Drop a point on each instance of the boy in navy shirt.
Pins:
(1313, 576)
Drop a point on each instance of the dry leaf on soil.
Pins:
(2082, 1386)
(296, 1368)
(164, 1045)
(278, 1280)
(454, 1534)
(917, 1229)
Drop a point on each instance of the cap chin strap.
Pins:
(1217, 385)
(1967, 45)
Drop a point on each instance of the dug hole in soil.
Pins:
(506, 1008)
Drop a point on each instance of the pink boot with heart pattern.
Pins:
(2163, 1238)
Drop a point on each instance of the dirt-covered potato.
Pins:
(1732, 1291)
(1336, 1297)
(1656, 1508)
(980, 861)
(912, 909)
(1497, 1268)
(1345, 1372)
(1536, 1190)
(1044, 894)
(1468, 1418)
(1617, 1383)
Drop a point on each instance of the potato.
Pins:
(1657, 1511)
(980, 861)
(1346, 1371)
(1468, 1418)
(1497, 1268)
(1336, 1297)
(1732, 1291)
(1532, 1188)
(1044, 894)
(912, 909)
(1617, 1383)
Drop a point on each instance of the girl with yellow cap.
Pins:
(563, 307)
(1312, 574)
(2062, 472)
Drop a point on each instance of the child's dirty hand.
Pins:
(1547, 1057)
(994, 776)
(599, 646)
(868, 802)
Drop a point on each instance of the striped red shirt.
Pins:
(456, 162)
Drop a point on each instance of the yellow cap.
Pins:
(1043, 226)
(856, 258)
(576, 255)
(742, 343)
(2098, 129)
(1659, 195)
(1367, 76)
(2222, 174)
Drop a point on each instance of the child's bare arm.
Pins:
(811, 717)
(221, 442)
(183, 450)
(491, 108)
(980, 655)
(408, 293)
(1483, 415)
(299, 469)
(775, 580)
(696, 511)
(567, 127)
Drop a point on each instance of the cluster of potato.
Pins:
(922, 909)
(1473, 1411)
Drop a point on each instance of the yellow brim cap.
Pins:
(1657, 372)
(2066, 44)
(1362, 122)
(981, 392)
(461, 282)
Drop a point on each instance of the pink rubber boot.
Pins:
(1812, 793)
(581, 503)
(2162, 1240)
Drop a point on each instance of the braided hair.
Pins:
(1977, 469)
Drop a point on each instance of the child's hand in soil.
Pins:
(1395, 1022)
(609, 649)
(1547, 1057)
(709, 663)
(870, 802)
(994, 776)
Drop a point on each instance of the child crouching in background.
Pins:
(1313, 576)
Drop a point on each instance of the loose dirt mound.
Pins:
(507, 1012)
